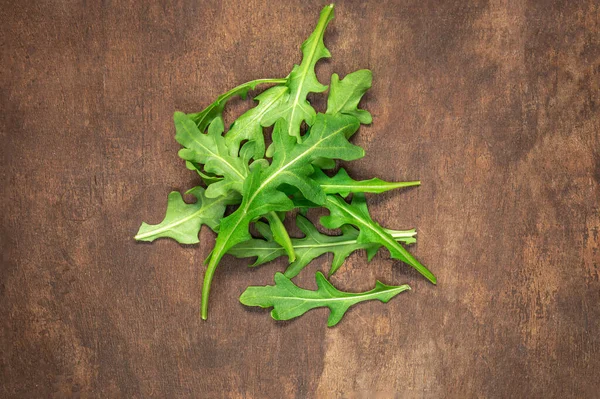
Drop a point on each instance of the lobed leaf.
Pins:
(345, 94)
(248, 126)
(183, 221)
(294, 108)
(290, 301)
(211, 151)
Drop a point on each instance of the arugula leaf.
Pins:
(291, 165)
(206, 116)
(311, 246)
(345, 95)
(357, 214)
(183, 221)
(343, 184)
(289, 301)
(294, 108)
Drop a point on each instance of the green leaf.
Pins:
(343, 184)
(289, 301)
(183, 221)
(345, 94)
(357, 215)
(204, 118)
(311, 246)
(294, 108)
(291, 165)
(211, 151)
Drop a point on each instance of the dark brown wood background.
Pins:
(494, 105)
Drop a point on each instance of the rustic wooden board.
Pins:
(492, 104)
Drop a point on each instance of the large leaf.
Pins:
(292, 166)
(311, 246)
(183, 221)
(357, 214)
(294, 108)
(289, 301)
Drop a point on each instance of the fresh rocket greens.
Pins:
(183, 221)
(263, 184)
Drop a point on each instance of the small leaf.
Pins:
(183, 221)
(289, 301)
(343, 184)
(264, 250)
(207, 178)
(345, 94)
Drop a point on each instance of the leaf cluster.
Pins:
(262, 185)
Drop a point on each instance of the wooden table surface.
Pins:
(493, 105)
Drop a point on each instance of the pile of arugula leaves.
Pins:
(265, 183)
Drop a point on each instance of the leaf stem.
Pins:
(215, 258)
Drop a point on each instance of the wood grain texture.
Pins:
(493, 105)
